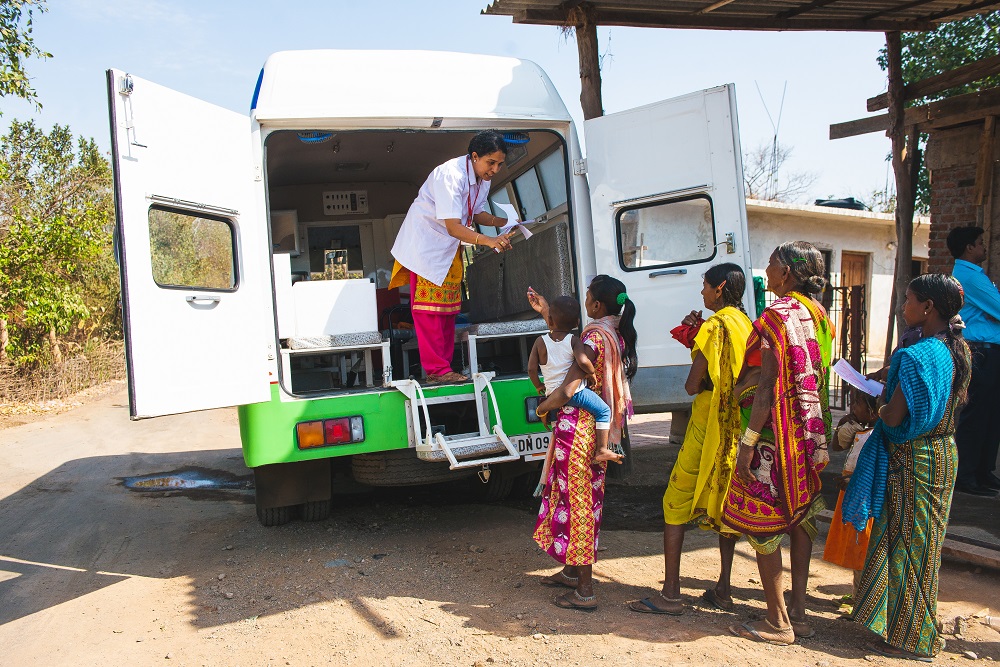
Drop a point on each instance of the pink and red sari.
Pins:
(569, 520)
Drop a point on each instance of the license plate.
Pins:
(532, 444)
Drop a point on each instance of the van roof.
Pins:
(327, 84)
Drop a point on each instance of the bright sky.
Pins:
(214, 50)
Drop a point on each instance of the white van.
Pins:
(255, 257)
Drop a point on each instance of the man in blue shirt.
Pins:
(978, 432)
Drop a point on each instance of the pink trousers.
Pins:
(435, 336)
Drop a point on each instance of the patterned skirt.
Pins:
(897, 594)
(569, 519)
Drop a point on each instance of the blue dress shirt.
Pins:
(981, 312)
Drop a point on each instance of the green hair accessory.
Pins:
(622, 298)
(798, 259)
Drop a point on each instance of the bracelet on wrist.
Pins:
(750, 438)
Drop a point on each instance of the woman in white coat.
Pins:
(428, 248)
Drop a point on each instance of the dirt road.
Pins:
(92, 573)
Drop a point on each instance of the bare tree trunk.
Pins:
(590, 66)
(4, 340)
(905, 163)
(54, 346)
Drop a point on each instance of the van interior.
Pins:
(337, 201)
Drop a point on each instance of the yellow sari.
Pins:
(700, 478)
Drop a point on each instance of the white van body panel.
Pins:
(189, 349)
(683, 147)
(298, 86)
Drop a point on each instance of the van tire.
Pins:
(399, 467)
(316, 510)
(495, 490)
(274, 516)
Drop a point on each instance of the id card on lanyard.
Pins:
(469, 199)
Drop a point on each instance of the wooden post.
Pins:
(904, 158)
(590, 66)
(984, 186)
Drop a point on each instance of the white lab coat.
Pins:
(423, 244)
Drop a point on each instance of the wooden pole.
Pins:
(903, 159)
(590, 67)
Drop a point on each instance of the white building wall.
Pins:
(838, 233)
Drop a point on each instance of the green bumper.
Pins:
(267, 430)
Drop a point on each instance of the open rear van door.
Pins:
(666, 187)
(192, 243)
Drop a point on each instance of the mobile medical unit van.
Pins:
(254, 255)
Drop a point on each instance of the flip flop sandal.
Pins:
(752, 634)
(887, 651)
(712, 598)
(646, 606)
(572, 601)
(552, 582)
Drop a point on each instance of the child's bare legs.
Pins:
(602, 452)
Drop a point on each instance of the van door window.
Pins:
(552, 171)
(681, 231)
(191, 250)
(529, 195)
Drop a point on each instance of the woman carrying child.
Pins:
(569, 520)
(701, 474)
(554, 354)
(906, 475)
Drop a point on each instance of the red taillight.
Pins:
(338, 431)
(324, 432)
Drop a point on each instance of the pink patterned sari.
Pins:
(569, 520)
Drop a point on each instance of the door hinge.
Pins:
(580, 167)
(257, 174)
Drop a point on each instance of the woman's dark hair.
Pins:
(736, 283)
(805, 263)
(946, 294)
(606, 290)
(960, 238)
(486, 142)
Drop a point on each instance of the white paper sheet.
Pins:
(514, 221)
(854, 378)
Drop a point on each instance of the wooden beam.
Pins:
(802, 9)
(941, 82)
(953, 110)
(590, 66)
(904, 152)
(712, 7)
(660, 19)
(894, 10)
(971, 7)
(984, 166)
(853, 128)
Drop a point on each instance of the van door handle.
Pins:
(212, 298)
(668, 272)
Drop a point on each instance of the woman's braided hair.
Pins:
(805, 263)
(946, 294)
(736, 283)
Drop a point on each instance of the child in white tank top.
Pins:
(554, 354)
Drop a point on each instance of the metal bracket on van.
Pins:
(433, 446)
(580, 167)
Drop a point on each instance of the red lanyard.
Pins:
(469, 200)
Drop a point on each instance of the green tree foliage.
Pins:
(18, 45)
(949, 46)
(58, 278)
(190, 251)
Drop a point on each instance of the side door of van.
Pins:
(666, 187)
(192, 248)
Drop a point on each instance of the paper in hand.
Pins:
(514, 221)
(850, 375)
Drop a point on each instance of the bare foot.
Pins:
(607, 454)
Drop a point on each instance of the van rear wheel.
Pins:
(274, 516)
(317, 510)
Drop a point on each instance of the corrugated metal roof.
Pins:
(861, 15)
